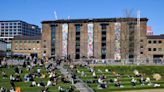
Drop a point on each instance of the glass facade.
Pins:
(77, 52)
(9, 29)
(103, 40)
(53, 37)
(131, 40)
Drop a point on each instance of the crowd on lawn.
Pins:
(104, 82)
(32, 74)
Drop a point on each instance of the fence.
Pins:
(132, 61)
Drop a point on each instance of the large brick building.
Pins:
(11, 28)
(105, 38)
(27, 46)
(155, 47)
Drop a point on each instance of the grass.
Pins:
(124, 71)
(25, 86)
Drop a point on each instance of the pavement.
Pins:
(81, 86)
(145, 90)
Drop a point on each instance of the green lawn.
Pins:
(124, 71)
(25, 86)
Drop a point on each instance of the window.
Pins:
(141, 52)
(103, 38)
(159, 41)
(37, 41)
(141, 40)
(141, 46)
(44, 51)
(103, 44)
(53, 36)
(77, 38)
(154, 49)
(103, 26)
(78, 33)
(78, 28)
(154, 41)
(44, 46)
(159, 49)
(77, 49)
(149, 49)
(149, 41)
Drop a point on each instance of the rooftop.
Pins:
(27, 37)
(161, 36)
(93, 20)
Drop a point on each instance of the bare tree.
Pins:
(128, 13)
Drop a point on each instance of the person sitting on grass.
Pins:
(16, 69)
(70, 89)
(12, 83)
(45, 89)
(65, 80)
(94, 75)
(4, 76)
(18, 78)
(11, 89)
(41, 84)
(103, 77)
(2, 89)
(43, 76)
(148, 81)
(133, 82)
(61, 89)
(102, 85)
(118, 84)
(38, 72)
(24, 64)
(49, 83)
(100, 81)
(83, 74)
(142, 80)
(91, 69)
(12, 78)
(33, 84)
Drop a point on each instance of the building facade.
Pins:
(108, 38)
(3, 47)
(155, 47)
(27, 46)
(11, 28)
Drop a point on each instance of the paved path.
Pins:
(82, 87)
(145, 90)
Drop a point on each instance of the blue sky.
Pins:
(35, 11)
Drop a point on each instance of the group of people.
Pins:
(30, 65)
(103, 81)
